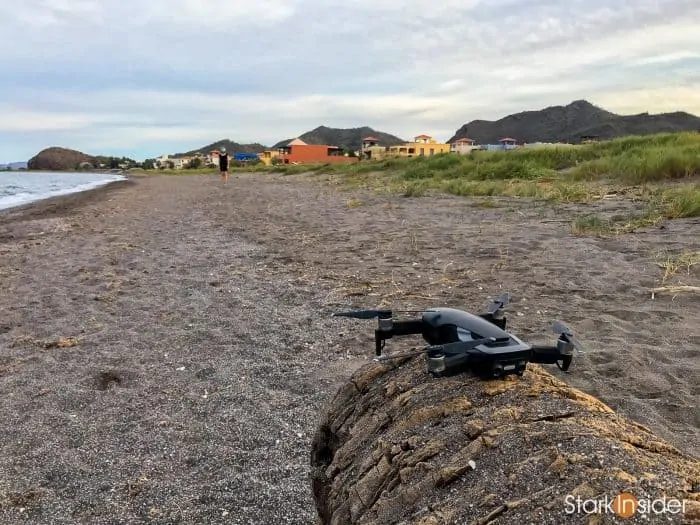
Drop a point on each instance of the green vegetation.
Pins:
(626, 160)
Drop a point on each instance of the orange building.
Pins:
(299, 152)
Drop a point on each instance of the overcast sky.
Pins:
(146, 77)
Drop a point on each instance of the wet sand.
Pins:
(166, 345)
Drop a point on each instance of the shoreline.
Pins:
(59, 205)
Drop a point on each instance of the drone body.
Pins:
(460, 341)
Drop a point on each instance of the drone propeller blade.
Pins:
(496, 304)
(560, 329)
(364, 314)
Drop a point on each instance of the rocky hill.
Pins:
(571, 122)
(59, 159)
(348, 138)
(231, 148)
(65, 159)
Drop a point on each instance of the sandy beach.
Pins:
(166, 343)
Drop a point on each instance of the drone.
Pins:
(459, 341)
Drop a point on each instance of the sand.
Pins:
(166, 344)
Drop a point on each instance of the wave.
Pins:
(11, 197)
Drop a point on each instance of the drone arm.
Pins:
(397, 328)
(549, 355)
(491, 318)
(407, 327)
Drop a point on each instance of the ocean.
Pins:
(23, 187)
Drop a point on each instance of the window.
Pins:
(432, 151)
(422, 151)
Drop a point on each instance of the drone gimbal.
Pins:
(460, 340)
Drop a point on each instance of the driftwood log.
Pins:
(398, 446)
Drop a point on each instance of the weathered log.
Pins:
(398, 446)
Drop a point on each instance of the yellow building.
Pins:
(267, 157)
(422, 145)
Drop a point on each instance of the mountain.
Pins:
(231, 148)
(14, 166)
(348, 138)
(570, 123)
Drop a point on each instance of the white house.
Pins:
(463, 146)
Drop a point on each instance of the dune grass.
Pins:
(631, 160)
(662, 170)
(682, 201)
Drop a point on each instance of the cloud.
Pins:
(157, 76)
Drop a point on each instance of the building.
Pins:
(213, 158)
(268, 157)
(504, 144)
(422, 145)
(299, 152)
(530, 145)
(180, 162)
(371, 150)
(463, 146)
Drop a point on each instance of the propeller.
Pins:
(495, 305)
(371, 314)
(561, 329)
(365, 314)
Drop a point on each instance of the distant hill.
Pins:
(65, 159)
(569, 123)
(59, 159)
(349, 138)
(14, 166)
(231, 148)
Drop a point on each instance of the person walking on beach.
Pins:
(223, 165)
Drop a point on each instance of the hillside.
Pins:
(231, 147)
(59, 159)
(65, 159)
(569, 123)
(349, 138)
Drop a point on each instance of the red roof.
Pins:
(507, 139)
(423, 136)
(368, 139)
(464, 139)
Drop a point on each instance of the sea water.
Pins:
(22, 187)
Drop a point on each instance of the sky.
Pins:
(141, 78)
